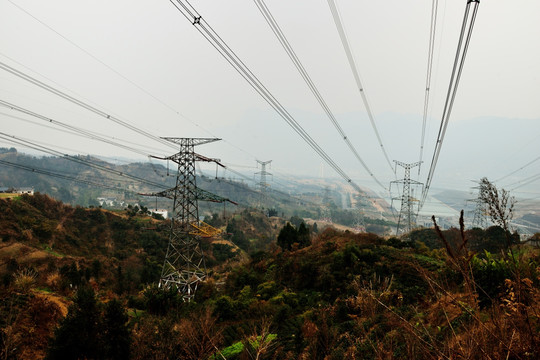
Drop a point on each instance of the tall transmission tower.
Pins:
(407, 213)
(263, 185)
(184, 266)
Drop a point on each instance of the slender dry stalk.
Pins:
(460, 259)
(259, 342)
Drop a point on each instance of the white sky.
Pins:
(494, 127)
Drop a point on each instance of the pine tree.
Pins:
(116, 335)
(287, 236)
(304, 237)
(77, 337)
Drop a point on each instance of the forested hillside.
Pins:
(81, 180)
(81, 283)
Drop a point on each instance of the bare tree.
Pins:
(258, 343)
(500, 206)
(199, 335)
(501, 210)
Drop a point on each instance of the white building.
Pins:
(107, 201)
(162, 212)
(29, 191)
(20, 191)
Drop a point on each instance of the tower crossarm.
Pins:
(198, 157)
(192, 141)
(169, 194)
(407, 166)
(202, 229)
(200, 194)
(208, 196)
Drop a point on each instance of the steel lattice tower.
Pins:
(184, 266)
(263, 185)
(360, 223)
(326, 215)
(480, 217)
(406, 213)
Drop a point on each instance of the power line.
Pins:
(298, 64)
(345, 42)
(58, 175)
(525, 181)
(521, 168)
(41, 143)
(63, 131)
(11, 116)
(432, 32)
(75, 130)
(228, 168)
(273, 190)
(165, 104)
(459, 61)
(80, 103)
(79, 160)
(211, 36)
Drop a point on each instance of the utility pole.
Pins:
(406, 213)
(184, 266)
(263, 185)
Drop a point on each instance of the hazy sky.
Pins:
(194, 92)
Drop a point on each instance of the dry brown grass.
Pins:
(24, 280)
(505, 330)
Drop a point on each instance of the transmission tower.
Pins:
(360, 219)
(480, 215)
(360, 222)
(407, 213)
(325, 209)
(184, 266)
(263, 185)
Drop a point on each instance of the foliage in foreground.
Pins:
(340, 296)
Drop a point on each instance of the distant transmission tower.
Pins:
(406, 214)
(325, 213)
(263, 185)
(184, 266)
(480, 215)
(360, 222)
